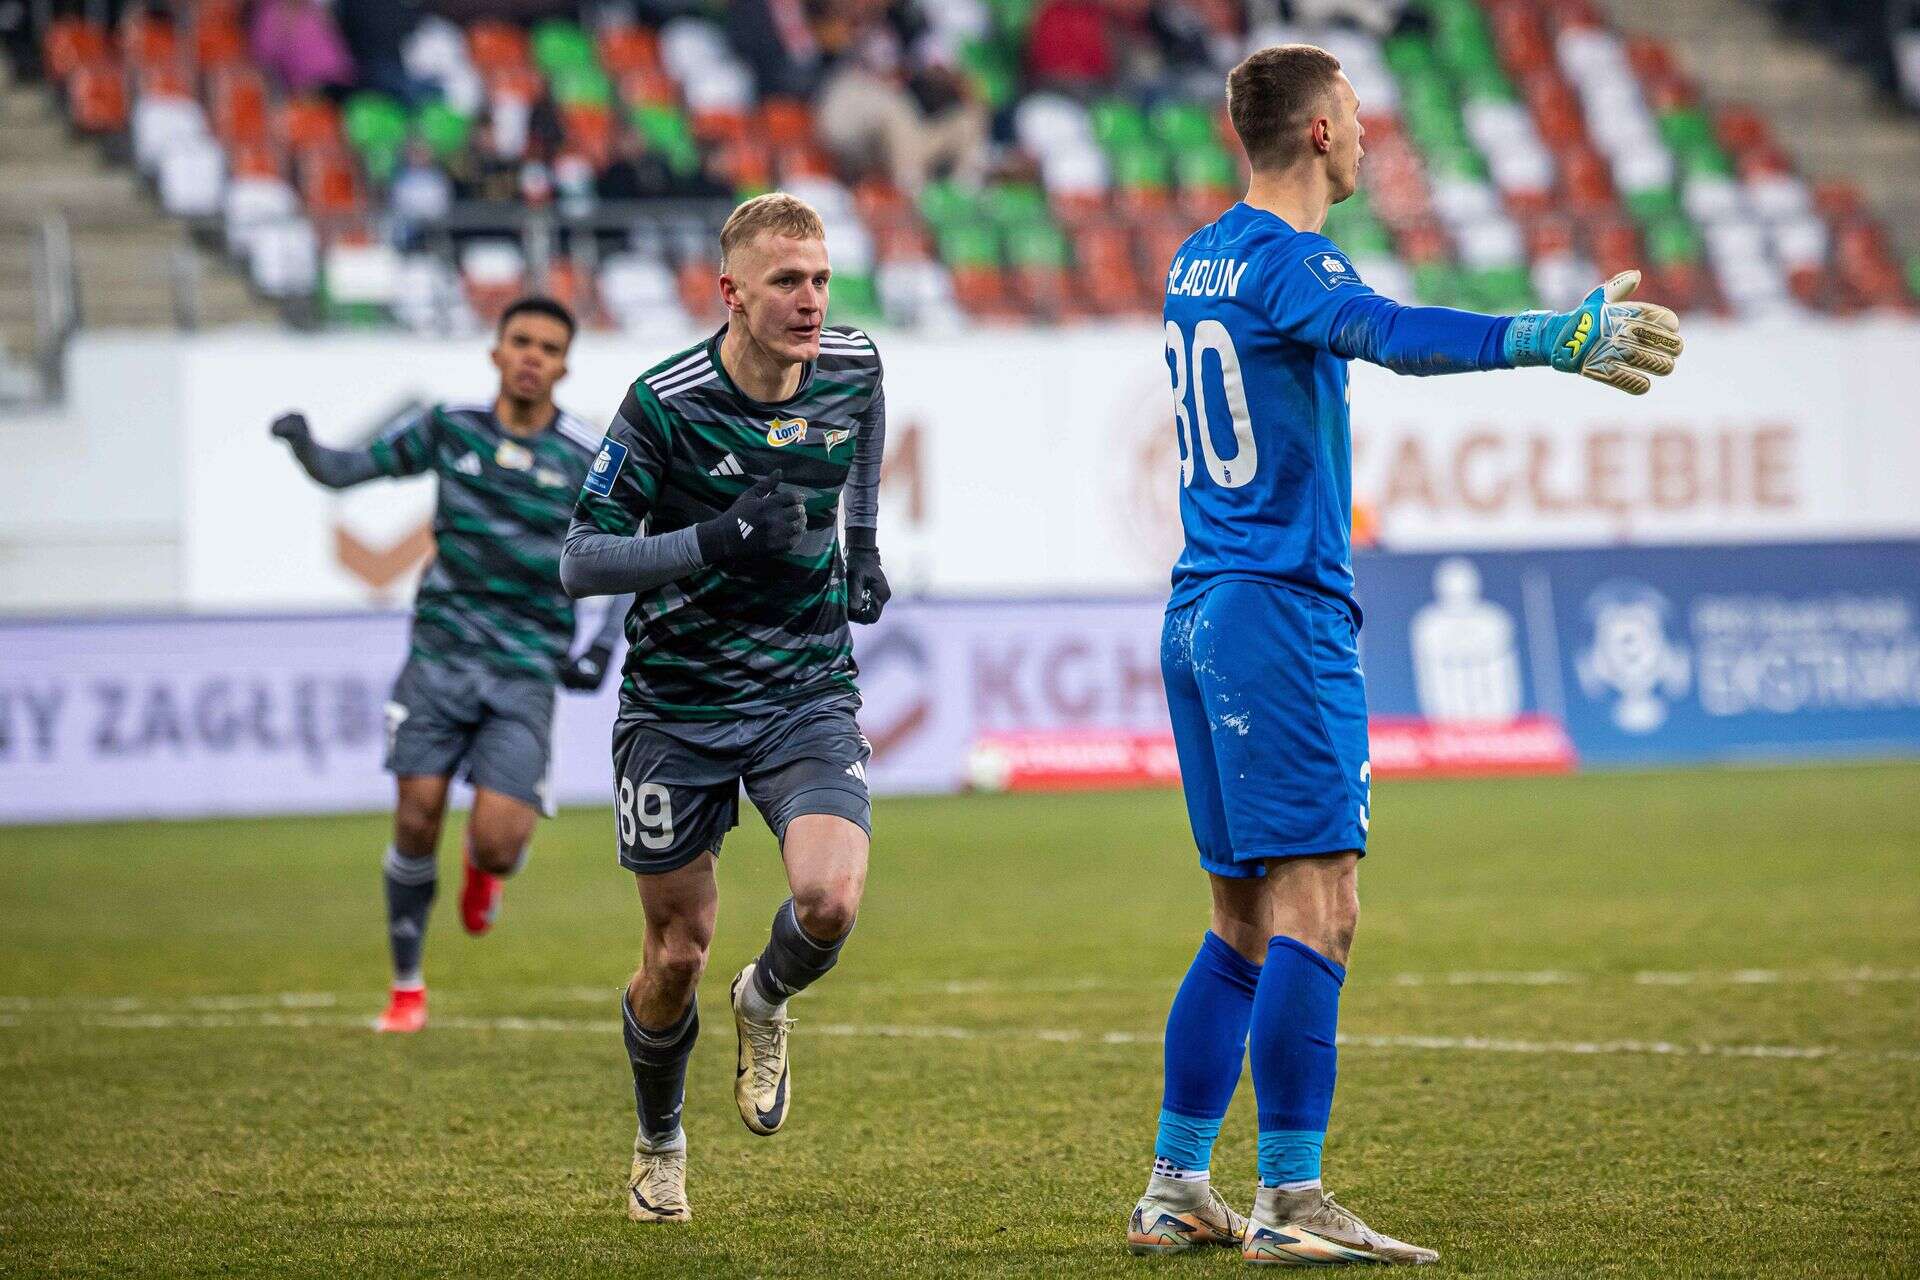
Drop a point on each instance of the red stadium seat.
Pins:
(218, 44)
(1650, 58)
(97, 98)
(589, 130)
(254, 160)
(1837, 199)
(1549, 237)
(1742, 129)
(1616, 248)
(803, 161)
(165, 80)
(627, 48)
(786, 122)
(982, 293)
(1588, 183)
(1424, 242)
(308, 122)
(71, 43)
(746, 163)
(648, 87)
(147, 41)
(719, 125)
(496, 46)
(516, 84)
(238, 98)
(878, 200)
(696, 282)
(327, 183)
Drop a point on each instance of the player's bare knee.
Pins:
(496, 855)
(676, 958)
(827, 911)
(416, 830)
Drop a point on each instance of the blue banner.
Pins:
(1654, 655)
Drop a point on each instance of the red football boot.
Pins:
(406, 1010)
(479, 898)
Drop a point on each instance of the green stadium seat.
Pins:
(1185, 124)
(443, 129)
(1671, 240)
(1205, 167)
(1142, 166)
(582, 86)
(377, 128)
(562, 46)
(1014, 204)
(969, 244)
(1037, 245)
(854, 298)
(1118, 125)
(947, 204)
(668, 132)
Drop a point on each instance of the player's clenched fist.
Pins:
(763, 521)
(292, 427)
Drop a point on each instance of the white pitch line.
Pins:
(271, 1020)
(296, 1000)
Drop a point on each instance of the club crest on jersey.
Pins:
(514, 457)
(834, 439)
(1332, 270)
(606, 467)
(782, 432)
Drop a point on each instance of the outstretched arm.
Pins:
(334, 468)
(1321, 301)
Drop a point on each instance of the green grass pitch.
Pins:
(1610, 1025)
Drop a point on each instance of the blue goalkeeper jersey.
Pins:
(1261, 320)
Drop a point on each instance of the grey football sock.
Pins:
(794, 959)
(410, 886)
(659, 1061)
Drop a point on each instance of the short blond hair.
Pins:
(775, 212)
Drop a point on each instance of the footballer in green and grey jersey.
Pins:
(492, 594)
(492, 626)
(745, 637)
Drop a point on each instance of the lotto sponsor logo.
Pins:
(782, 432)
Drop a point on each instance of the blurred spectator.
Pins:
(297, 43)
(1378, 16)
(1068, 46)
(376, 31)
(637, 172)
(893, 100)
(775, 39)
(422, 193)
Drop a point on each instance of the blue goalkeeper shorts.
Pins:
(1270, 721)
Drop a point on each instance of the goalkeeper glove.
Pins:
(1606, 339)
(588, 671)
(763, 521)
(867, 589)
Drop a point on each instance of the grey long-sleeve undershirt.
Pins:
(336, 468)
(860, 496)
(604, 564)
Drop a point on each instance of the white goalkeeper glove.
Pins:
(1609, 340)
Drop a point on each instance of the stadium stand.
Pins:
(985, 159)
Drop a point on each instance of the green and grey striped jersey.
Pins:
(751, 636)
(492, 594)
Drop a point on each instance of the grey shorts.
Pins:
(677, 785)
(495, 730)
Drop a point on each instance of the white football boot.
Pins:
(762, 1079)
(657, 1186)
(1175, 1217)
(1308, 1229)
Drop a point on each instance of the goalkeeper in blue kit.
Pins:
(1259, 649)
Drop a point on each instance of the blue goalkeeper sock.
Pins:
(1295, 1014)
(1206, 1043)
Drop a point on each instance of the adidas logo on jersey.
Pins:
(468, 465)
(728, 466)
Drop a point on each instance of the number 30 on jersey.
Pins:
(1210, 336)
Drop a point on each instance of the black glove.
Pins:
(588, 671)
(867, 589)
(292, 427)
(763, 521)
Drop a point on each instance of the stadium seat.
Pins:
(71, 43)
(158, 123)
(495, 47)
(377, 128)
(191, 176)
(97, 98)
(237, 100)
